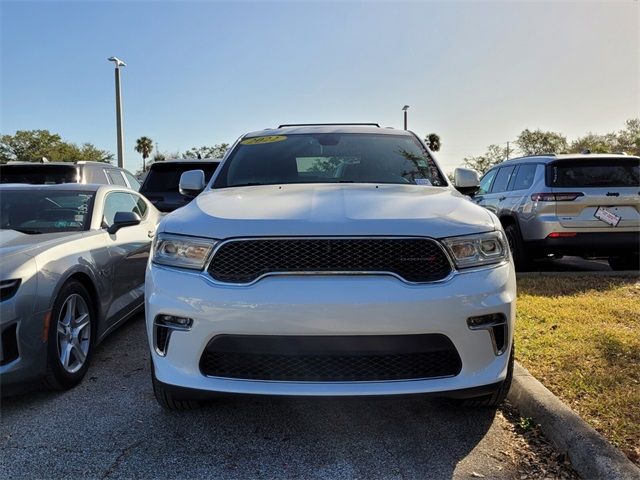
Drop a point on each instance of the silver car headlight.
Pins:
(477, 250)
(182, 251)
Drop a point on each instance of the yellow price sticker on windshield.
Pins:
(261, 140)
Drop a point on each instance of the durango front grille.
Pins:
(246, 260)
(330, 358)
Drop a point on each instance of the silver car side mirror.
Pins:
(192, 183)
(123, 219)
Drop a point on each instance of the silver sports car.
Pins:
(72, 265)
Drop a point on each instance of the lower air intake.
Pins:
(330, 358)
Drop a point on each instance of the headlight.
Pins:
(181, 251)
(477, 250)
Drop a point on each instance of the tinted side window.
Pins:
(523, 178)
(141, 206)
(94, 175)
(133, 181)
(502, 179)
(118, 202)
(115, 177)
(485, 183)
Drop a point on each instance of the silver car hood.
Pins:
(13, 242)
(329, 209)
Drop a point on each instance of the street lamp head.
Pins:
(119, 63)
(405, 108)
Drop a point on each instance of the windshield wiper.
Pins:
(248, 184)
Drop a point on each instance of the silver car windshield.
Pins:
(329, 158)
(42, 211)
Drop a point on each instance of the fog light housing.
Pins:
(496, 324)
(175, 322)
(163, 326)
(485, 321)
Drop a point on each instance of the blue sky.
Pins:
(201, 73)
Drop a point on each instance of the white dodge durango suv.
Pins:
(329, 260)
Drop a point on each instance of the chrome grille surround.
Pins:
(414, 260)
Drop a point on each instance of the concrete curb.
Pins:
(595, 273)
(591, 455)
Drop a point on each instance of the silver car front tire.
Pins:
(71, 337)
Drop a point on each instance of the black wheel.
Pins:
(630, 261)
(516, 245)
(166, 399)
(71, 337)
(497, 397)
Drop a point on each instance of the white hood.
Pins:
(329, 209)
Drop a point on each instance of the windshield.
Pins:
(42, 211)
(607, 172)
(38, 174)
(166, 177)
(329, 158)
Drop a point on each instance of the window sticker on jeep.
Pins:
(423, 163)
(423, 181)
(261, 140)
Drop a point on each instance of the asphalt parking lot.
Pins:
(111, 427)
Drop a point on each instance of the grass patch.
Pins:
(580, 336)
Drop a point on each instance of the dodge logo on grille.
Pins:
(417, 259)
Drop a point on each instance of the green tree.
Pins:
(593, 143)
(539, 142)
(433, 141)
(495, 154)
(628, 139)
(32, 145)
(217, 151)
(158, 157)
(144, 146)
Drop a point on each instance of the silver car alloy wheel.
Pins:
(74, 333)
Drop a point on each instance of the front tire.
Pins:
(499, 395)
(71, 337)
(166, 399)
(516, 245)
(630, 261)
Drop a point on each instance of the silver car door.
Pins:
(129, 250)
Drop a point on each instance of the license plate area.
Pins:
(607, 216)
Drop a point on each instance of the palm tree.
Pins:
(433, 141)
(144, 146)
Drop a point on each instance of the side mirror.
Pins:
(192, 183)
(466, 181)
(123, 219)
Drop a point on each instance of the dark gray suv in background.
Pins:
(576, 204)
(161, 188)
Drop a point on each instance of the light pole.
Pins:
(119, 63)
(404, 109)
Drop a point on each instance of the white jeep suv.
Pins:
(329, 260)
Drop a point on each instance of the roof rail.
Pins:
(532, 156)
(327, 125)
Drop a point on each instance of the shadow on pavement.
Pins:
(571, 264)
(111, 426)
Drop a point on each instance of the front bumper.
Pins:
(330, 305)
(24, 349)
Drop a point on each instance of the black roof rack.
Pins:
(327, 125)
